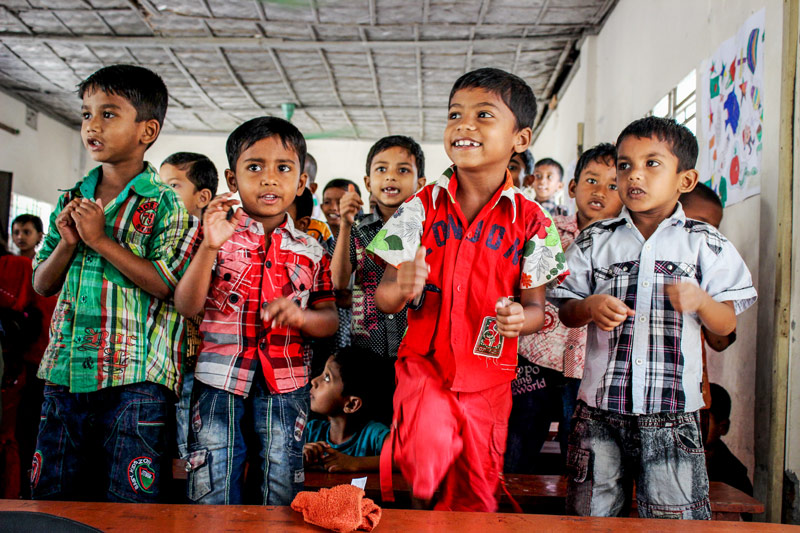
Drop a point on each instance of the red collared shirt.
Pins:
(511, 245)
(246, 275)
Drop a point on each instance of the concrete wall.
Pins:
(645, 49)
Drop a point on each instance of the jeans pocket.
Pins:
(688, 438)
(199, 482)
(578, 463)
(579, 481)
(47, 467)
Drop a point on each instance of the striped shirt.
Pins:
(246, 275)
(106, 331)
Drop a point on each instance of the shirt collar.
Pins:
(449, 183)
(286, 228)
(146, 183)
(677, 218)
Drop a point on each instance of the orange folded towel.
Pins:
(342, 508)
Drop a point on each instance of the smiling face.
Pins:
(595, 193)
(481, 132)
(546, 182)
(109, 129)
(392, 177)
(326, 390)
(26, 238)
(192, 199)
(648, 180)
(330, 207)
(268, 177)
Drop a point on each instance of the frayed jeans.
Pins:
(662, 453)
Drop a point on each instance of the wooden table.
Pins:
(126, 517)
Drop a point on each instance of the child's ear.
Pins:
(724, 427)
(522, 140)
(302, 223)
(204, 198)
(230, 178)
(150, 131)
(573, 184)
(688, 181)
(421, 182)
(313, 188)
(352, 405)
(301, 183)
(366, 182)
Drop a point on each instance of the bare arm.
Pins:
(604, 310)
(515, 319)
(717, 317)
(341, 268)
(51, 273)
(401, 285)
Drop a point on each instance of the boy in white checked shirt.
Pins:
(646, 282)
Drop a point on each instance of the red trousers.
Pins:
(449, 440)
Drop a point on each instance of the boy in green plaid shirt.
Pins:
(118, 243)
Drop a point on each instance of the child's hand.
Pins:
(313, 452)
(411, 275)
(687, 297)
(218, 227)
(336, 461)
(66, 225)
(349, 204)
(510, 317)
(607, 311)
(282, 312)
(90, 221)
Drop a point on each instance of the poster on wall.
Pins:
(732, 114)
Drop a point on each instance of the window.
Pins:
(680, 103)
(21, 205)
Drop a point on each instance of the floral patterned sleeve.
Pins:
(400, 237)
(543, 259)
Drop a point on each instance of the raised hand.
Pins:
(66, 225)
(411, 275)
(687, 297)
(218, 226)
(90, 221)
(510, 317)
(607, 311)
(349, 204)
(282, 312)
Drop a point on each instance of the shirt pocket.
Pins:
(301, 282)
(231, 282)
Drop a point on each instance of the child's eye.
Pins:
(454, 115)
(613, 186)
(485, 114)
(623, 166)
(108, 114)
(404, 171)
(326, 378)
(380, 169)
(591, 181)
(652, 163)
(254, 167)
(284, 168)
(86, 116)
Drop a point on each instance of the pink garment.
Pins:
(556, 346)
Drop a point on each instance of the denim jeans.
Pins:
(111, 444)
(183, 414)
(662, 453)
(218, 444)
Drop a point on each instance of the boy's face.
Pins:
(268, 177)
(192, 199)
(546, 182)
(481, 132)
(326, 390)
(25, 236)
(647, 176)
(711, 428)
(393, 177)
(703, 210)
(330, 205)
(517, 169)
(109, 129)
(595, 192)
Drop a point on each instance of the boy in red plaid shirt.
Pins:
(265, 287)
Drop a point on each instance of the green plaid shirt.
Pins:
(106, 331)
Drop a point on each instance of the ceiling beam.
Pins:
(332, 80)
(420, 99)
(548, 90)
(375, 86)
(196, 43)
(191, 79)
(289, 88)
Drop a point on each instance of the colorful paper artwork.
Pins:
(732, 114)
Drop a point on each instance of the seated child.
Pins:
(345, 392)
(118, 243)
(195, 178)
(645, 282)
(547, 176)
(459, 250)
(551, 365)
(395, 171)
(521, 169)
(265, 287)
(331, 195)
(721, 464)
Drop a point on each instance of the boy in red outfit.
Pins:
(472, 256)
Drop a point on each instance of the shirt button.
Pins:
(83, 299)
(233, 298)
(268, 264)
(645, 284)
(227, 276)
(89, 259)
(458, 288)
(628, 225)
(390, 317)
(639, 361)
(647, 246)
(642, 318)
(262, 345)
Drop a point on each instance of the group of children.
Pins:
(225, 305)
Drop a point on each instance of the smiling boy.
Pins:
(265, 287)
(119, 240)
(459, 251)
(645, 282)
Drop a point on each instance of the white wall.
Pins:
(643, 50)
(42, 160)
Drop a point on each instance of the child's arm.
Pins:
(341, 267)
(604, 310)
(401, 285)
(48, 278)
(717, 317)
(336, 461)
(515, 319)
(320, 320)
(192, 289)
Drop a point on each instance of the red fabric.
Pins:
(342, 508)
(473, 266)
(46, 305)
(455, 440)
(16, 289)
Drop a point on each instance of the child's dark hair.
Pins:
(304, 204)
(259, 128)
(312, 168)
(703, 192)
(605, 153)
(358, 372)
(681, 140)
(407, 143)
(551, 162)
(33, 219)
(199, 169)
(512, 89)
(143, 88)
(527, 161)
(720, 402)
(340, 183)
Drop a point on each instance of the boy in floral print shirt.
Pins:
(471, 255)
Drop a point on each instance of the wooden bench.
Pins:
(539, 494)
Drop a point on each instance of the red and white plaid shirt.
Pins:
(247, 275)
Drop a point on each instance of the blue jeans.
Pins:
(111, 444)
(182, 415)
(663, 453)
(218, 444)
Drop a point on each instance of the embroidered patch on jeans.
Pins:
(299, 476)
(299, 426)
(36, 468)
(490, 342)
(141, 475)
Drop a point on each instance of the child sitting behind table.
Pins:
(345, 393)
